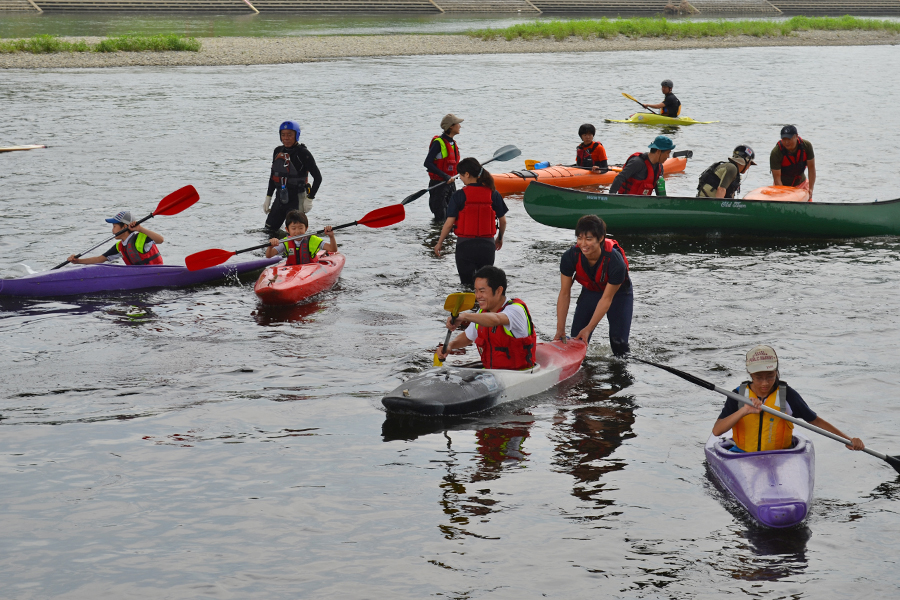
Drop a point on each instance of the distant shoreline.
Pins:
(220, 51)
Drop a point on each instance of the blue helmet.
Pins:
(292, 125)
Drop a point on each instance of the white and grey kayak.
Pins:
(450, 391)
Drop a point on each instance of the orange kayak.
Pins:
(781, 193)
(515, 182)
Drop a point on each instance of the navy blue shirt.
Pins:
(458, 201)
(617, 272)
(799, 407)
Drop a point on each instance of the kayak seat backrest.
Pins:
(525, 174)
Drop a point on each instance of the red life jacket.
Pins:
(477, 218)
(598, 282)
(448, 160)
(642, 187)
(500, 350)
(585, 153)
(298, 252)
(793, 166)
(132, 254)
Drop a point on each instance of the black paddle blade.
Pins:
(415, 196)
(894, 461)
(685, 153)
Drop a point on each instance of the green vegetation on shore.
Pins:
(661, 27)
(46, 44)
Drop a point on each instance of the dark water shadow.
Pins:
(266, 316)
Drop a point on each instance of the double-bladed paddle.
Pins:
(503, 154)
(894, 461)
(380, 217)
(455, 303)
(172, 204)
(630, 97)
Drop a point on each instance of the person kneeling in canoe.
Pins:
(723, 179)
(590, 154)
(502, 329)
(598, 263)
(478, 212)
(136, 244)
(754, 430)
(789, 160)
(304, 250)
(643, 171)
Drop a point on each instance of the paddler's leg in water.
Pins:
(618, 317)
(471, 255)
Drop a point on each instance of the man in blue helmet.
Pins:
(292, 164)
(643, 171)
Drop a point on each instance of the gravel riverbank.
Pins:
(258, 51)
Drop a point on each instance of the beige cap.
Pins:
(762, 358)
(449, 121)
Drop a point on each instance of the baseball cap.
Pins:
(450, 120)
(122, 217)
(788, 131)
(662, 143)
(762, 358)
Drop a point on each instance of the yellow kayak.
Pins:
(652, 119)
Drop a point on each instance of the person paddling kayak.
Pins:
(754, 430)
(590, 154)
(643, 171)
(723, 179)
(598, 263)
(502, 329)
(789, 160)
(136, 245)
(292, 164)
(443, 156)
(670, 106)
(478, 212)
(304, 250)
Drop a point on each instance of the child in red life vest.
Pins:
(136, 244)
(303, 250)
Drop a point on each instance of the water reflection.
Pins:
(266, 316)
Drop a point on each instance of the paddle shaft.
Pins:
(421, 193)
(109, 239)
(705, 384)
(449, 331)
(641, 103)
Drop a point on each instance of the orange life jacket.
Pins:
(756, 433)
(477, 218)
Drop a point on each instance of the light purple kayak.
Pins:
(775, 486)
(92, 279)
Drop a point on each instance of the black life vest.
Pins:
(793, 165)
(288, 171)
(709, 177)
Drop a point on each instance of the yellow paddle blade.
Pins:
(458, 302)
(437, 361)
(630, 97)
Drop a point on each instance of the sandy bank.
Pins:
(261, 51)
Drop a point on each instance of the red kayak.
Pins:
(281, 285)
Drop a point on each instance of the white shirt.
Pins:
(518, 322)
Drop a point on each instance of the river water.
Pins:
(190, 443)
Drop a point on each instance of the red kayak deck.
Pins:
(283, 285)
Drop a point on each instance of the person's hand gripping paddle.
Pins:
(630, 97)
(172, 204)
(456, 303)
(502, 154)
(380, 217)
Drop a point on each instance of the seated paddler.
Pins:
(300, 251)
(501, 329)
(754, 430)
(135, 244)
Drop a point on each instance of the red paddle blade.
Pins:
(207, 258)
(382, 217)
(177, 201)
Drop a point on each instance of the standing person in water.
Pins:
(443, 156)
(590, 154)
(292, 164)
(643, 171)
(598, 263)
(670, 106)
(479, 212)
(789, 160)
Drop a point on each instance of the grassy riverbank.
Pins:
(49, 44)
(660, 27)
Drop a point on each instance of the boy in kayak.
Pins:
(790, 159)
(670, 106)
(502, 329)
(136, 244)
(643, 171)
(754, 430)
(292, 164)
(590, 154)
(598, 263)
(441, 161)
(723, 179)
(304, 250)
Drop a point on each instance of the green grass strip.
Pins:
(47, 44)
(644, 27)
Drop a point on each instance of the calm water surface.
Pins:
(190, 443)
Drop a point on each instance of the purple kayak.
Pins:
(92, 279)
(775, 486)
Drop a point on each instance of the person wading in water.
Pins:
(292, 164)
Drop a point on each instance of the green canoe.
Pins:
(559, 207)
